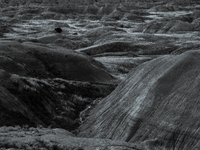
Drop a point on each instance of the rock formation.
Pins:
(33, 60)
(157, 105)
(37, 138)
(35, 87)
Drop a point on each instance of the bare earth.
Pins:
(118, 75)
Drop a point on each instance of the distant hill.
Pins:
(86, 2)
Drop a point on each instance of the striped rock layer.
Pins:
(157, 105)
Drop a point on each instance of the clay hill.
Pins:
(157, 105)
(47, 86)
(40, 61)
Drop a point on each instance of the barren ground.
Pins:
(51, 81)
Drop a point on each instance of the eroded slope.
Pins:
(29, 59)
(47, 139)
(47, 86)
(157, 104)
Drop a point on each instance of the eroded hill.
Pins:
(157, 105)
(47, 86)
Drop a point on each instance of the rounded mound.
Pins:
(30, 59)
(158, 100)
(173, 26)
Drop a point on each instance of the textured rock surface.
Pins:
(34, 89)
(51, 139)
(40, 61)
(45, 81)
(49, 102)
(157, 104)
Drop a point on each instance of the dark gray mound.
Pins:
(35, 87)
(33, 60)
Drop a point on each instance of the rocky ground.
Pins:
(60, 64)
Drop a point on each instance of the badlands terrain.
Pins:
(99, 75)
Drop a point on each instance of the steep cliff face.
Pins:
(157, 105)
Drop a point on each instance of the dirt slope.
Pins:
(49, 102)
(54, 139)
(47, 85)
(157, 104)
(34, 60)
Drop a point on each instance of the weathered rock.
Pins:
(92, 9)
(55, 102)
(133, 17)
(171, 26)
(107, 9)
(181, 26)
(196, 24)
(30, 59)
(47, 139)
(157, 104)
(164, 8)
(48, 15)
